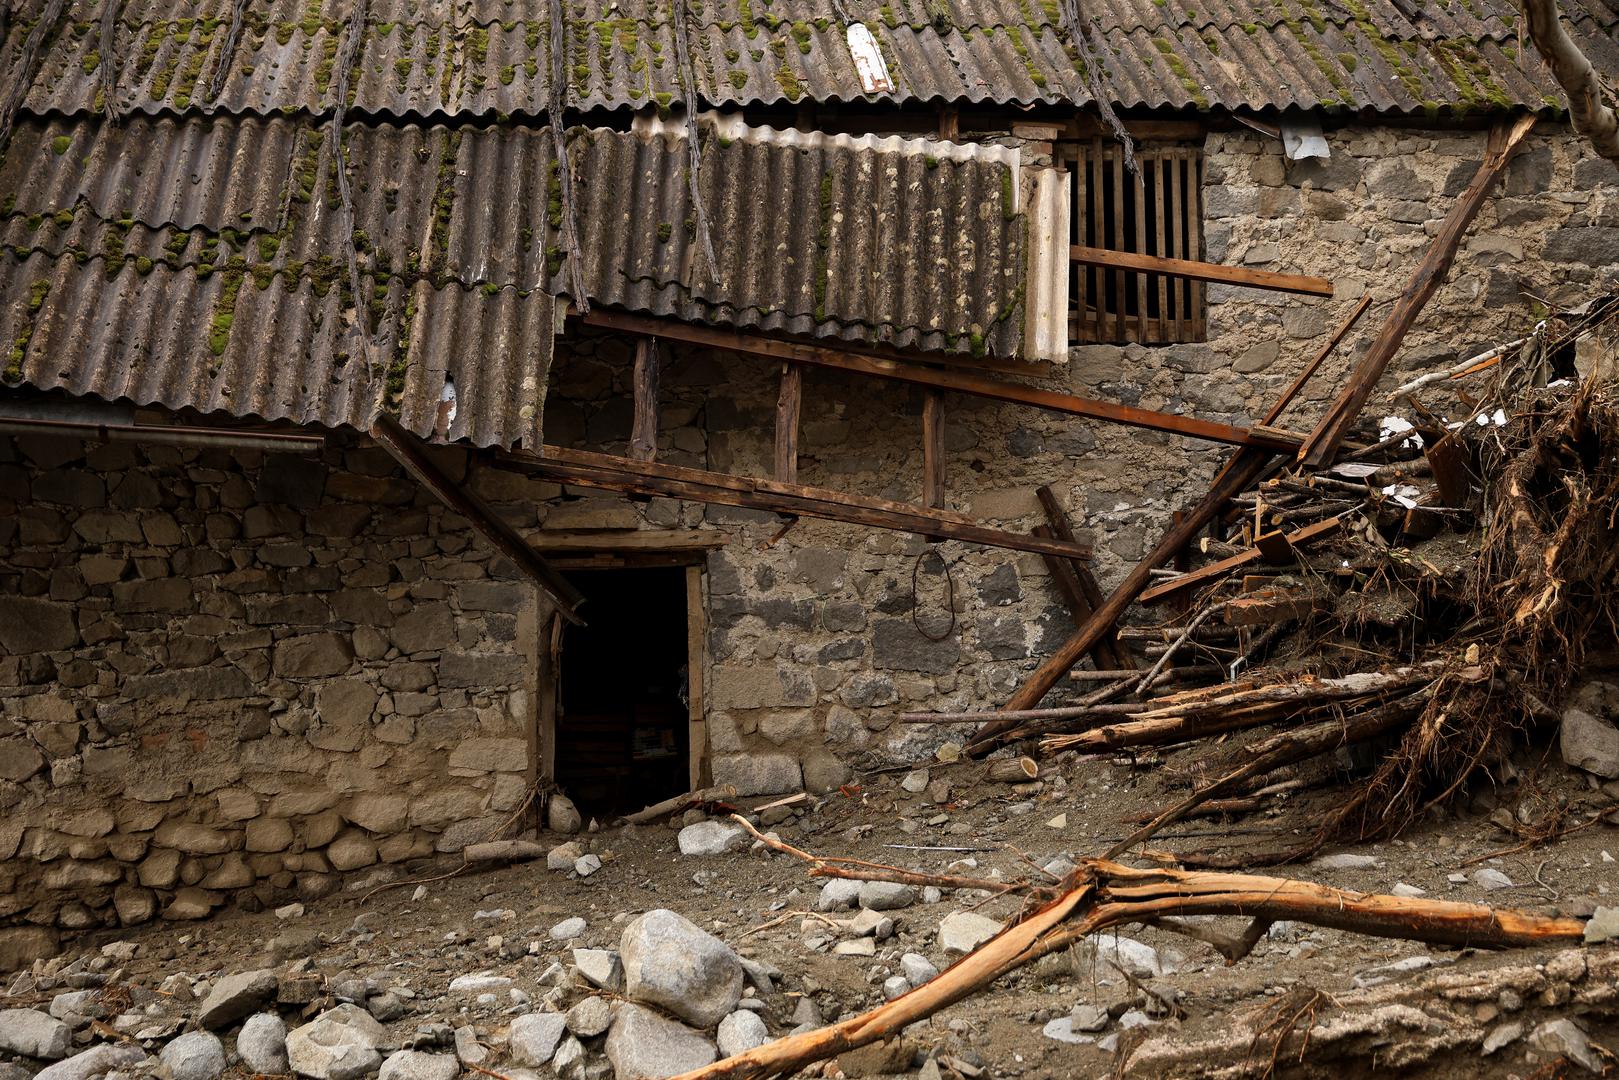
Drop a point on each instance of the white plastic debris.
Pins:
(1404, 494)
(1391, 426)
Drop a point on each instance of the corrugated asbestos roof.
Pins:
(488, 58)
(201, 262)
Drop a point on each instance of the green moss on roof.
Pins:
(25, 333)
(61, 143)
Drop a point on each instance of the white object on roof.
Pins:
(1302, 138)
(868, 60)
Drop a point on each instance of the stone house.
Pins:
(345, 510)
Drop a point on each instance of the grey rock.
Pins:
(759, 774)
(1502, 1035)
(1134, 1018)
(1087, 1017)
(569, 1060)
(741, 1032)
(31, 1033)
(196, 1055)
(886, 895)
(1602, 926)
(585, 865)
(1402, 889)
(562, 815)
(672, 963)
(1564, 1037)
(262, 1044)
(416, 1065)
(467, 1047)
(339, 1044)
(534, 1037)
(563, 856)
(568, 929)
(96, 1061)
(710, 838)
(1136, 957)
(917, 968)
(1346, 861)
(600, 968)
(1062, 1030)
(590, 1017)
(1595, 245)
(964, 931)
(645, 1046)
(1590, 743)
(478, 982)
(386, 1007)
(234, 997)
(1489, 878)
(895, 986)
(77, 1008)
(837, 894)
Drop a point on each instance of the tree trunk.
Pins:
(1574, 73)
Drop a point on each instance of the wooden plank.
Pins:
(696, 663)
(1194, 227)
(943, 379)
(1137, 179)
(621, 474)
(1205, 574)
(676, 540)
(407, 449)
(1076, 582)
(644, 425)
(1098, 296)
(1116, 242)
(1174, 249)
(933, 449)
(1203, 271)
(788, 403)
(1424, 282)
(1274, 548)
(1449, 461)
(1160, 207)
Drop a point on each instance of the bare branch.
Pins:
(1574, 73)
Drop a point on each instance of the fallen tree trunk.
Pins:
(1104, 894)
(1573, 71)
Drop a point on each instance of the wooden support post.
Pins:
(1323, 442)
(1117, 261)
(1079, 585)
(788, 404)
(407, 449)
(933, 449)
(644, 428)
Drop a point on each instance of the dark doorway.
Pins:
(622, 718)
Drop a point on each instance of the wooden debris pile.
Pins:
(1418, 601)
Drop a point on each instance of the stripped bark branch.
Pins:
(1592, 117)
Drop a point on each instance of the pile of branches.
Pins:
(1413, 607)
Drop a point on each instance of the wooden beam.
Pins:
(942, 379)
(699, 485)
(1247, 464)
(1425, 281)
(670, 540)
(933, 449)
(1078, 584)
(644, 427)
(407, 449)
(1244, 276)
(1205, 574)
(1316, 361)
(789, 403)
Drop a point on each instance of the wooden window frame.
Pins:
(1136, 307)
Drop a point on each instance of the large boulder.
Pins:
(262, 1044)
(672, 963)
(339, 1044)
(234, 997)
(645, 1046)
(1588, 741)
(710, 838)
(196, 1055)
(31, 1033)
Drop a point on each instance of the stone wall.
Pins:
(222, 672)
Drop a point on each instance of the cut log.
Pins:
(1018, 770)
(503, 851)
(718, 793)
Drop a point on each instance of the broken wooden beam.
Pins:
(789, 402)
(1430, 273)
(914, 373)
(1078, 584)
(1273, 605)
(933, 449)
(1316, 361)
(1205, 574)
(1244, 276)
(1243, 468)
(408, 450)
(612, 473)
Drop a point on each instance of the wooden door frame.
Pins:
(630, 550)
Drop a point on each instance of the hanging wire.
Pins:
(950, 594)
(557, 103)
(346, 54)
(694, 149)
(227, 50)
(108, 71)
(1090, 58)
(26, 67)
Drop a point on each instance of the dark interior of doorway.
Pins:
(621, 725)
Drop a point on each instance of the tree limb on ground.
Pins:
(1103, 894)
(1573, 71)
